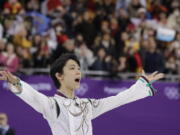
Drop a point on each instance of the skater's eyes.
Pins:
(72, 68)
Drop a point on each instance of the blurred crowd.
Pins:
(106, 35)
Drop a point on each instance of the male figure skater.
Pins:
(67, 114)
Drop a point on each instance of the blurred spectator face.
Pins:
(6, 11)
(114, 24)
(108, 2)
(73, 14)
(172, 60)
(58, 29)
(37, 39)
(79, 19)
(151, 32)
(106, 37)
(176, 12)
(162, 16)
(131, 50)
(83, 50)
(142, 24)
(22, 31)
(142, 13)
(124, 36)
(178, 37)
(12, 1)
(122, 59)
(123, 13)
(135, 2)
(177, 47)
(86, 16)
(178, 21)
(108, 58)
(66, 3)
(175, 4)
(171, 63)
(105, 26)
(79, 39)
(122, 63)
(151, 43)
(8, 23)
(2, 45)
(69, 45)
(3, 119)
(33, 5)
(25, 53)
(19, 50)
(178, 53)
(101, 53)
(10, 49)
(144, 44)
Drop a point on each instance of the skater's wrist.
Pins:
(17, 84)
(149, 84)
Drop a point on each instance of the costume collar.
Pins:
(62, 95)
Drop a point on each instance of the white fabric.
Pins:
(76, 114)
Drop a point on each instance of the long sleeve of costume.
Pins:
(137, 91)
(41, 103)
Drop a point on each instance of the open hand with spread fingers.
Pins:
(153, 76)
(11, 79)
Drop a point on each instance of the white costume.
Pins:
(73, 116)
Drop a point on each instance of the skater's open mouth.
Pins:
(77, 80)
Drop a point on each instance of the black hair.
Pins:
(58, 65)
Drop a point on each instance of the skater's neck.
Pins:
(69, 93)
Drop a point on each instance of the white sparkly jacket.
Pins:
(73, 116)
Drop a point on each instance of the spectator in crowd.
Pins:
(2, 45)
(20, 39)
(99, 63)
(87, 28)
(111, 64)
(5, 129)
(172, 54)
(121, 44)
(134, 60)
(33, 5)
(122, 64)
(108, 43)
(41, 57)
(171, 65)
(133, 7)
(154, 59)
(85, 55)
(9, 59)
(25, 55)
(13, 6)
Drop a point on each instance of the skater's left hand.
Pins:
(153, 76)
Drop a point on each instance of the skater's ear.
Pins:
(59, 76)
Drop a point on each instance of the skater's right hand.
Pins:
(11, 79)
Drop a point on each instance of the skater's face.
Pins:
(71, 75)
